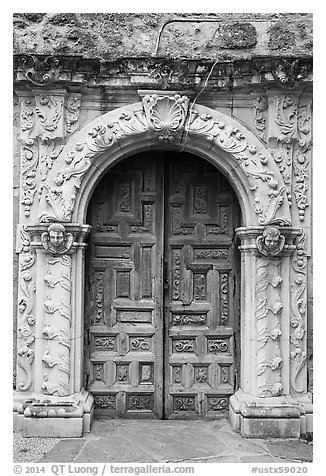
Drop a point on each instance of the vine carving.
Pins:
(26, 300)
(268, 312)
(298, 314)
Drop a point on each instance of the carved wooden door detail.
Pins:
(200, 293)
(160, 289)
(124, 302)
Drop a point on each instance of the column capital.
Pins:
(58, 238)
(269, 240)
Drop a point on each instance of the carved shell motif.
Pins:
(166, 115)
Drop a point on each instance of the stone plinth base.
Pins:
(56, 417)
(53, 427)
(277, 417)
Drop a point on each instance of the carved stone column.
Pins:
(57, 392)
(266, 404)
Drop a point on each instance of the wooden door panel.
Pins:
(125, 290)
(201, 213)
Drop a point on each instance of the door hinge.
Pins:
(165, 276)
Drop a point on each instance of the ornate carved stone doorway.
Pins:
(272, 398)
(162, 289)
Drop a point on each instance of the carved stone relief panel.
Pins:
(260, 106)
(163, 118)
(292, 130)
(268, 314)
(26, 310)
(298, 319)
(57, 326)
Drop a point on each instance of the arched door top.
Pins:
(166, 122)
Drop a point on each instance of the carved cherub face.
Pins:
(271, 237)
(56, 236)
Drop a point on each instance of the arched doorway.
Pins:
(162, 289)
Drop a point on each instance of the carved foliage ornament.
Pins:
(260, 106)
(271, 242)
(167, 117)
(298, 315)
(267, 189)
(26, 317)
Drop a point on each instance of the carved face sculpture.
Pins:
(55, 240)
(56, 235)
(271, 237)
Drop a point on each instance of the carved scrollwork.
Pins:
(30, 156)
(286, 117)
(25, 360)
(162, 72)
(217, 403)
(166, 117)
(255, 165)
(77, 161)
(140, 402)
(301, 181)
(186, 403)
(271, 242)
(40, 70)
(26, 317)
(217, 345)
(72, 113)
(105, 401)
(298, 314)
(289, 73)
(186, 319)
(260, 106)
(140, 343)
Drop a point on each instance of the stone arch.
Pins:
(166, 122)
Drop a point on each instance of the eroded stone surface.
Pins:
(110, 35)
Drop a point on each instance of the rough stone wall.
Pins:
(113, 35)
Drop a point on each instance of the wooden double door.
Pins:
(161, 307)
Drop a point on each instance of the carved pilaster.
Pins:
(266, 257)
(272, 329)
(56, 246)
